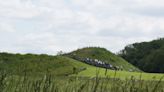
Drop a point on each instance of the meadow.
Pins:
(75, 83)
(43, 73)
(91, 72)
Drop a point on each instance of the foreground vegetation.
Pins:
(49, 83)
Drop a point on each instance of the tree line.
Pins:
(148, 56)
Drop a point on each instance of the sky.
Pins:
(49, 26)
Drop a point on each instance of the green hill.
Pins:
(148, 56)
(44, 73)
(39, 65)
(35, 65)
(103, 55)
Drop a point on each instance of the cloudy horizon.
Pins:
(48, 26)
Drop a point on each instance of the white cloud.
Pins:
(47, 26)
(19, 9)
(6, 27)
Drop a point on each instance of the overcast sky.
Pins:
(48, 26)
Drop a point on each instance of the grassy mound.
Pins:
(103, 55)
(39, 64)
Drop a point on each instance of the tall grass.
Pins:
(50, 83)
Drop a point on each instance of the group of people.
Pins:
(98, 63)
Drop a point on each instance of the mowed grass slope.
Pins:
(103, 55)
(92, 72)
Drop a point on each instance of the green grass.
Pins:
(49, 83)
(43, 73)
(39, 65)
(91, 72)
(36, 65)
(103, 55)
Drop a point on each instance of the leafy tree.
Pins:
(146, 55)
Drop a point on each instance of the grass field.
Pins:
(39, 65)
(91, 72)
(43, 73)
(49, 83)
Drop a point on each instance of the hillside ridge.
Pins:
(101, 57)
